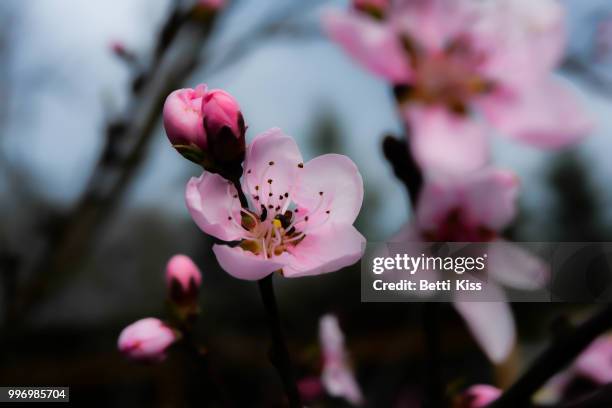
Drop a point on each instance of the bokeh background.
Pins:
(62, 89)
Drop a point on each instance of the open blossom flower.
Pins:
(298, 218)
(337, 376)
(454, 61)
(146, 340)
(475, 208)
(477, 396)
(183, 278)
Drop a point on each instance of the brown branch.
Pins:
(558, 355)
(127, 142)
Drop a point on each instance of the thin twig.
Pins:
(558, 355)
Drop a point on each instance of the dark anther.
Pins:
(256, 188)
(320, 193)
(264, 213)
(271, 163)
(286, 195)
(301, 165)
(269, 181)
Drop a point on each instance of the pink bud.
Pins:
(224, 127)
(183, 277)
(118, 48)
(183, 118)
(375, 7)
(212, 4)
(220, 110)
(478, 396)
(146, 340)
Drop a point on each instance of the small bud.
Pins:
(477, 396)
(183, 279)
(224, 127)
(375, 8)
(214, 5)
(183, 122)
(146, 340)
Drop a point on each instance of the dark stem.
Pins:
(279, 354)
(431, 328)
(407, 171)
(558, 355)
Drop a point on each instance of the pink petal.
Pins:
(595, 362)
(432, 23)
(271, 166)
(339, 381)
(546, 115)
(514, 266)
(213, 206)
(438, 197)
(480, 395)
(243, 264)
(525, 40)
(331, 337)
(491, 323)
(375, 45)
(329, 248)
(330, 182)
(445, 142)
(490, 197)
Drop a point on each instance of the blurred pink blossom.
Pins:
(337, 376)
(592, 368)
(603, 39)
(212, 4)
(183, 119)
(146, 340)
(377, 7)
(182, 271)
(475, 208)
(477, 396)
(310, 389)
(457, 60)
(300, 216)
(118, 48)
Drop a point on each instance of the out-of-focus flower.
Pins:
(477, 396)
(475, 208)
(211, 4)
(300, 216)
(118, 48)
(456, 60)
(146, 340)
(310, 389)
(376, 8)
(591, 369)
(337, 376)
(183, 278)
(207, 128)
(603, 40)
(183, 119)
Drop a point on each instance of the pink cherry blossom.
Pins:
(183, 119)
(472, 60)
(337, 376)
(146, 340)
(475, 208)
(299, 215)
(478, 396)
(182, 270)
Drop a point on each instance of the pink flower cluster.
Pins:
(284, 214)
(455, 61)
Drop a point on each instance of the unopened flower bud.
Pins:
(477, 396)
(224, 127)
(183, 279)
(375, 8)
(146, 340)
(183, 122)
(212, 4)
